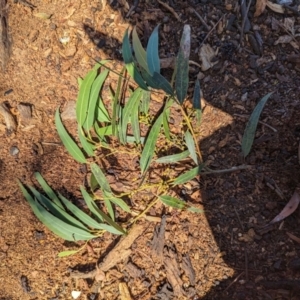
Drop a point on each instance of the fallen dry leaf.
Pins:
(284, 39)
(275, 7)
(293, 237)
(260, 7)
(206, 54)
(288, 209)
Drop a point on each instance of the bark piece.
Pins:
(25, 113)
(133, 270)
(173, 273)
(11, 124)
(120, 252)
(158, 241)
(5, 41)
(188, 269)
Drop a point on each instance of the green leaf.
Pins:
(50, 193)
(162, 83)
(131, 139)
(130, 64)
(166, 115)
(135, 124)
(145, 102)
(102, 114)
(182, 75)
(195, 209)
(197, 96)
(153, 61)
(158, 82)
(139, 51)
(116, 106)
(109, 207)
(93, 183)
(114, 227)
(82, 216)
(189, 175)
(67, 253)
(94, 97)
(84, 96)
(100, 177)
(120, 127)
(149, 148)
(117, 201)
(68, 142)
(249, 133)
(173, 202)
(56, 210)
(86, 145)
(130, 108)
(191, 146)
(173, 158)
(103, 131)
(136, 75)
(198, 116)
(58, 227)
(79, 81)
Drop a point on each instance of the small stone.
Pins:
(271, 205)
(69, 112)
(14, 151)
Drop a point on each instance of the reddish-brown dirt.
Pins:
(220, 254)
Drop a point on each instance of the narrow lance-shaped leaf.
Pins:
(173, 158)
(189, 175)
(149, 148)
(197, 101)
(117, 201)
(82, 216)
(130, 64)
(250, 130)
(166, 115)
(60, 228)
(102, 114)
(84, 97)
(139, 51)
(135, 124)
(162, 83)
(197, 96)
(182, 75)
(290, 207)
(153, 61)
(56, 210)
(115, 104)
(68, 142)
(86, 145)
(173, 202)
(109, 208)
(100, 177)
(94, 97)
(191, 146)
(50, 193)
(145, 102)
(128, 110)
(114, 227)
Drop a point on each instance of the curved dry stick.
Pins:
(120, 252)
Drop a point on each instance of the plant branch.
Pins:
(233, 169)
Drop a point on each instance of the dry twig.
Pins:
(170, 9)
(120, 252)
